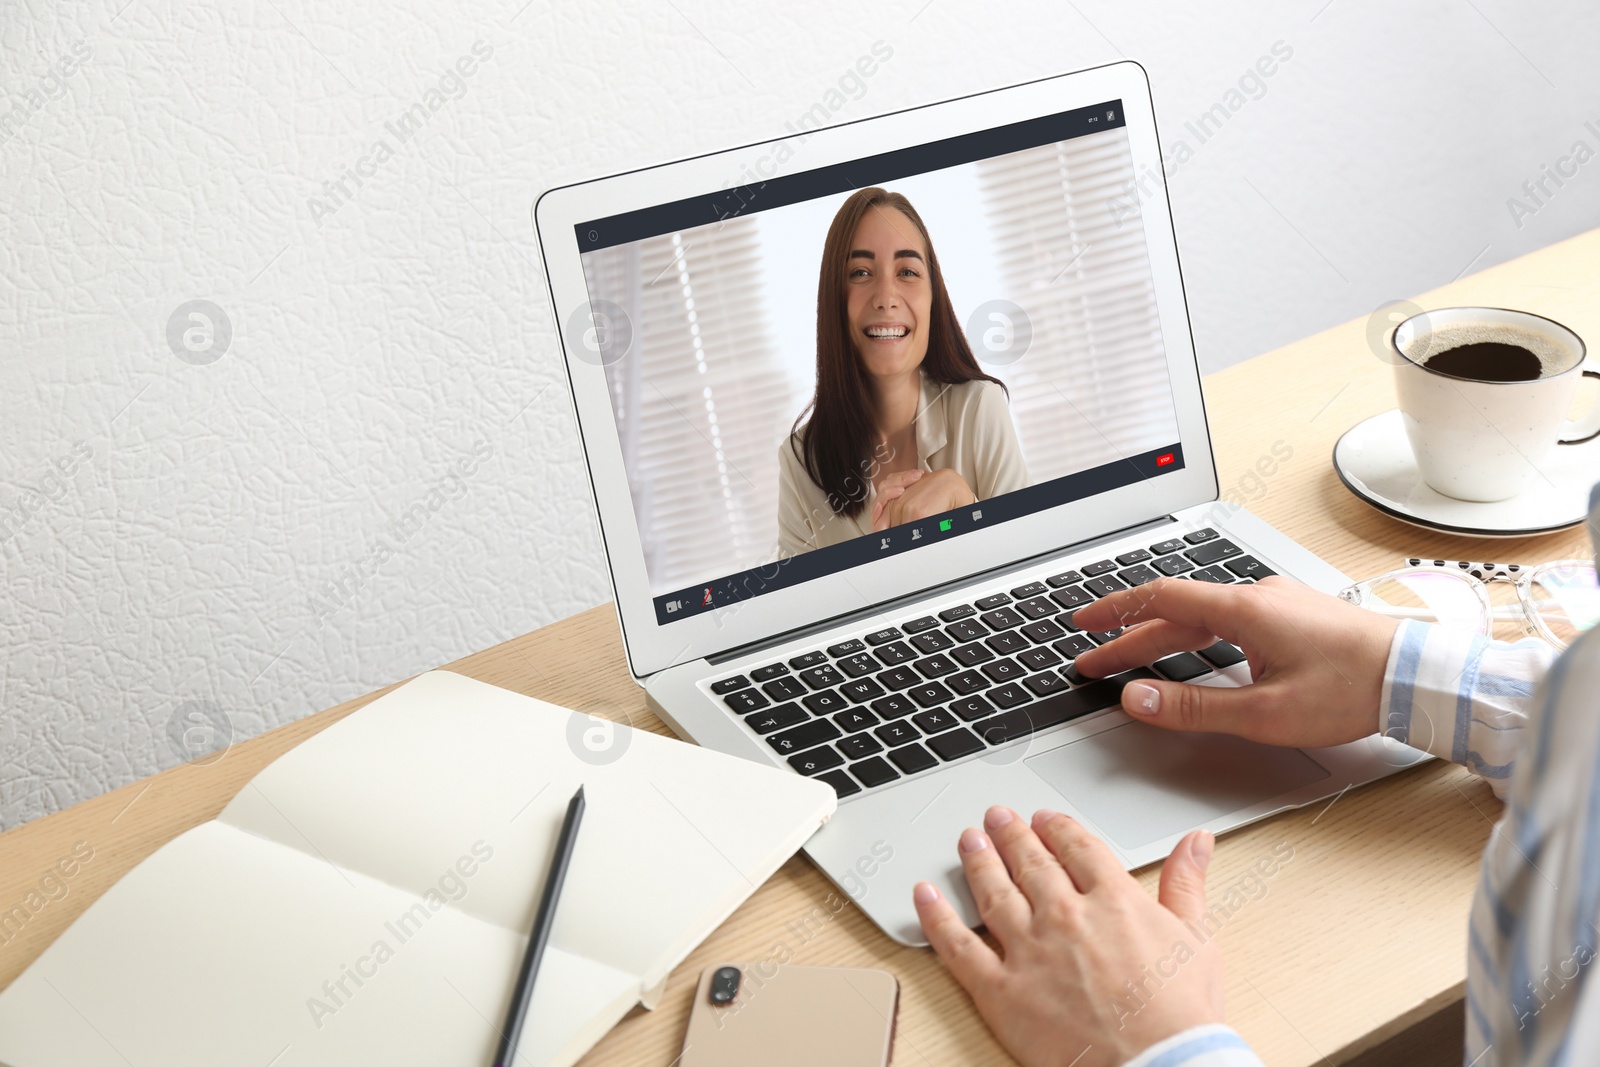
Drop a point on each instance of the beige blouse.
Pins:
(965, 427)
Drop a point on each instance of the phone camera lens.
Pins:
(724, 985)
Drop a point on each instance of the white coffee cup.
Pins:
(1479, 439)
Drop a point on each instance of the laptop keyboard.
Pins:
(865, 712)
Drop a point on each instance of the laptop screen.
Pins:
(814, 371)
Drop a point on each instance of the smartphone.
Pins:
(784, 1016)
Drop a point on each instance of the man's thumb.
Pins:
(1183, 876)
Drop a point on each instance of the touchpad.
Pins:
(1141, 783)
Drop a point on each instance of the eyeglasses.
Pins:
(1555, 601)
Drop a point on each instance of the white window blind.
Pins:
(1092, 386)
(695, 399)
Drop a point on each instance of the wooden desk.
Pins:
(1356, 950)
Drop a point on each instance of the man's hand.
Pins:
(906, 499)
(1074, 930)
(1317, 661)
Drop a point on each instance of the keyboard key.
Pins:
(1073, 645)
(810, 659)
(892, 707)
(895, 653)
(859, 665)
(935, 720)
(1138, 575)
(1071, 673)
(861, 690)
(1104, 585)
(1166, 546)
(843, 784)
(1043, 685)
(1182, 667)
(1208, 534)
(960, 611)
(821, 677)
(879, 637)
(989, 603)
(1104, 566)
(1038, 607)
(784, 689)
(766, 722)
(1103, 636)
(874, 772)
(1249, 567)
(930, 694)
(1002, 619)
(912, 759)
(1009, 695)
(967, 682)
(816, 761)
(812, 734)
(936, 666)
(1213, 551)
(1038, 659)
(1222, 655)
(970, 708)
(899, 678)
(1056, 581)
(1212, 574)
(932, 641)
(955, 744)
(1032, 589)
(896, 733)
(859, 746)
(916, 626)
(1003, 670)
(966, 630)
(1128, 559)
(1041, 632)
(1007, 643)
(846, 648)
(1056, 709)
(728, 685)
(824, 703)
(769, 672)
(746, 701)
(1173, 565)
(855, 719)
(1072, 597)
(972, 655)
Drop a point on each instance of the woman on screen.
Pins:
(904, 423)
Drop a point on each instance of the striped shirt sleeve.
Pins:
(1461, 696)
(1213, 1045)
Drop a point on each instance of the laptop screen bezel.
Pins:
(652, 646)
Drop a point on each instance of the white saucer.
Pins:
(1375, 462)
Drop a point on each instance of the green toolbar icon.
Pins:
(944, 525)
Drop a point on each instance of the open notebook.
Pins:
(367, 897)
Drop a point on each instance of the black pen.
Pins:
(542, 922)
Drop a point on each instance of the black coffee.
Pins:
(1488, 361)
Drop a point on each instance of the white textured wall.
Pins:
(388, 413)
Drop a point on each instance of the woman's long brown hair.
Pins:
(840, 436)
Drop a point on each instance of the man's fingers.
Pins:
(1224, 610)
(1183, 876)
(1006, 912)
(1086, 858)
(972, 962)
(1252, 711)
(1033, 866)
(1144, 642)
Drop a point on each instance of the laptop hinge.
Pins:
(932, 591)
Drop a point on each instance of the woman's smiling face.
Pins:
(888, 297)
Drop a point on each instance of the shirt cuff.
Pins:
(1212, 1045)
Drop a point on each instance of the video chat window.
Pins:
(954, 337)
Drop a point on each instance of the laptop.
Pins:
(1005, 264)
